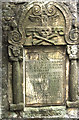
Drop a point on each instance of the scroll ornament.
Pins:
(14, 37)
(74, 35)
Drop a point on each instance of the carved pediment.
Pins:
(45, 24)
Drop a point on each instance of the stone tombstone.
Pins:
(43, 43)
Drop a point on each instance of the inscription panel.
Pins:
(45, 73)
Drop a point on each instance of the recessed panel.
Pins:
(45, 76)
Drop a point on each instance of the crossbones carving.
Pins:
(41, 39)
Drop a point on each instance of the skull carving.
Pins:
(45, 32)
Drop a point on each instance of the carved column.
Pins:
(15, 57)
(17, 93)
(73, 76)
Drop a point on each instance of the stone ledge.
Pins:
(45, 112)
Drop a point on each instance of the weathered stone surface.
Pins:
(45, 112)
(12, 34)
(45, 76)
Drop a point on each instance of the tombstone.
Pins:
(43, 43)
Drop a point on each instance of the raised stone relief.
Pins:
(74, 35)
(43, 51)
(15, 53)
(14, 37)
(45, 24)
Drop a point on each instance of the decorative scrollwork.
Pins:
(42, 13)
(50, 9)
(14, 37)
(74, 35)
(49, 14)
(36, 10)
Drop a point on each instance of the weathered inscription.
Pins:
(45, 77)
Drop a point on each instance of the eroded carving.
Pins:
(72, 51)
(15, 53)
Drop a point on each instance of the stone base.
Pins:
(45, 112)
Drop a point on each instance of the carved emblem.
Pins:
(46, 32)
(45, 24)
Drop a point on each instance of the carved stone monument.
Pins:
(43, 54)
